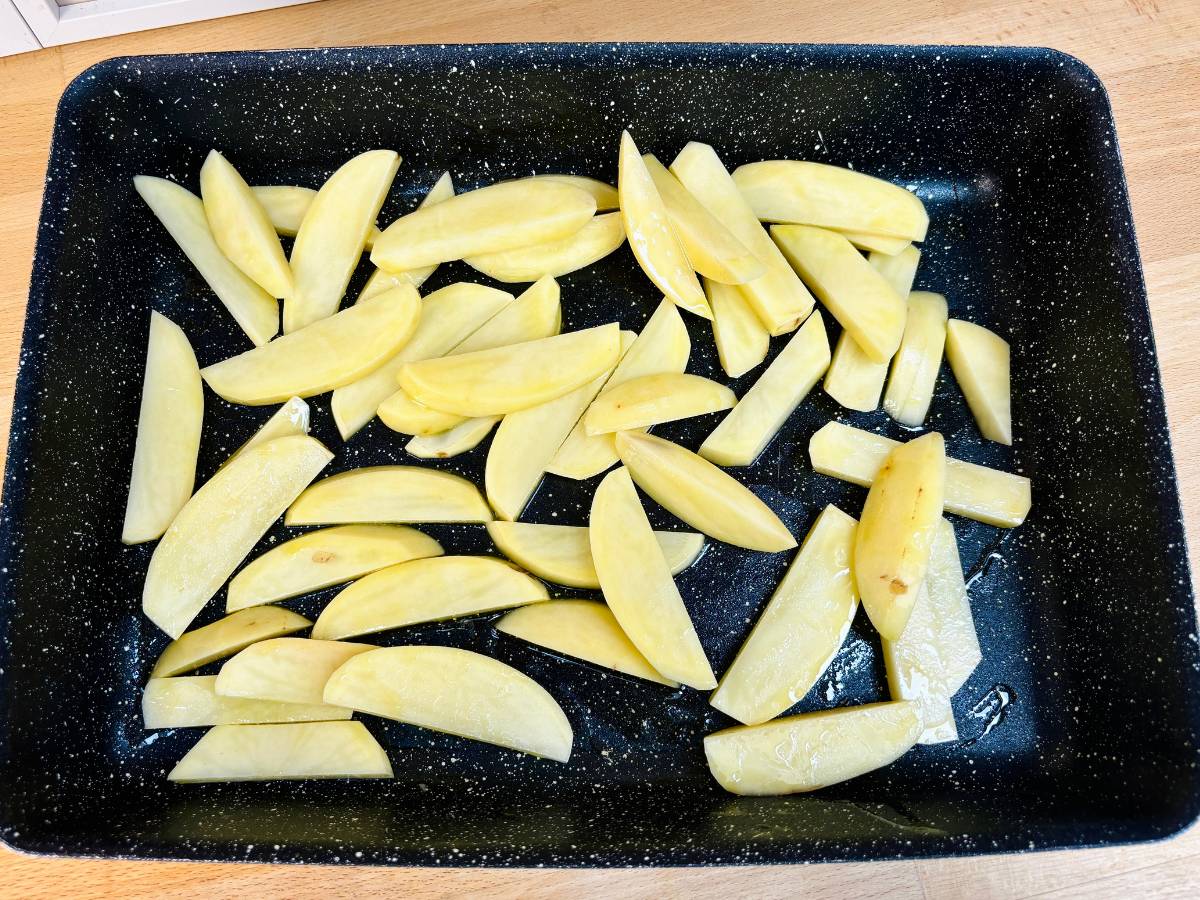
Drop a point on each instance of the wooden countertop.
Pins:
(1148, 54)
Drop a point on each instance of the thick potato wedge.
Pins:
(192, 702)
(743, 434)
(638, 585)
(811, 751)
(463, 437)
(584, 630)
(977, 492)
(875, 243)
(916, 364)
(654, 399)
(562, 553)
(323, 558)
(285, 205)
(701, 494)
(168, 434)
(979, 360)
(605, 195)
(426, 590)
(799, 633)
(287, 670)
(333, 234)
(330, 353)
(898, 269)
(221, 524)
(291, 418)
(594, 241)
(400, 495)
(283, 752)
(226, 637)
(182, 213)
(778, 297)
(742, 339)
(457, 692)
(381, 280)
(404, 415)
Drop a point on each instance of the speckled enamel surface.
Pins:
(1079, 726)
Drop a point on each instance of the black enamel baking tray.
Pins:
(1080, 725)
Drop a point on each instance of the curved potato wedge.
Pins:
(380, 280)
(225, 637)
(654, 399)
(191, 701)
(404, 415)
(741, 338)
(291, 418)
(287, 670)
(875, 243)
(916, 364)
(399, 495)
(594, 241)
(979, 360)
(286, 206)
(604, 194)
(462, 438)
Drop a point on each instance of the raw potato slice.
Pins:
(333, 234)
(465, 436)
(582, 629)
(182, 213)
(701, 494)
(168, 434)
(939, 649)
(562, 554)
(221, 524)
(604, 194)
(287, 670)
(192, 702)
(811, 751)
(899, 269)
(810, 193)
(491, 219)
(778, 297)
(426, 590)
(457, 692)
(404, 415)
(876, 243)
(241, 227)
(328, 354)
(977, 492)
(638, 585)
(799, 633)
(594, 241)
(291, 418)
(853, 290)
(743, 434)
(507, 379)
(895, 533)
(323, 558)
(654, 399)
(380, 281)
(225, 637)
(916, 364)
(742, 339)
(397, 494)
(979, 360)
(286, 206)
(283, 752)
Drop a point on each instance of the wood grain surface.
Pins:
(1148, 54)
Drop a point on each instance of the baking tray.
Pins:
(1078, 728)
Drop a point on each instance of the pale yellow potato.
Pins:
(875, 243)
(404, 415)
(654, 399)
(221, 523)
(333, 234)
(287, 670)
(168, 434)
(426, 590)
(977, 492)
(463, 437)
(562, 554)
(457, 692)
(797, 636)
(741, 338)
(286, 205)
(744, 433)
(323, 558)
(778, 297)
(915, 365)
(811, 751)
(898, 269)
(582, 629)
(241, 227)
(284, 752)
(605, 195)
(809, 193)
(291, 418)
(400, 495)
(328, 354)
(980, 361)
(380, 280)
(192, 702)
(594, 241)
(225, 637)
(638, 585)
(182, 213)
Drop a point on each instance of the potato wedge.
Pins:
(221, 524)
(426, 590)
(979, 360)
(168, 434)
(875, 243)
(811, 751)
(594, 241)
(330, 353)
(744, 433)
(582, 629)
(916, 364)
(797, 636)
(191, 701)
(333, 234)
(283, 752)
(562, 553)
(778, 297)
(381, 280)
(404, 415)
(898, 269)
(285, 205)
(654, 399)
(463, 437)
(977, 492)
(287, 670)
(225, 637)
(701, 494)
(400, 495)
(810, 193)
(291, 418)
(604, 194)
(638, 585)
(323, 558)
(182, 213)
(742, 339)
(457, 692)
